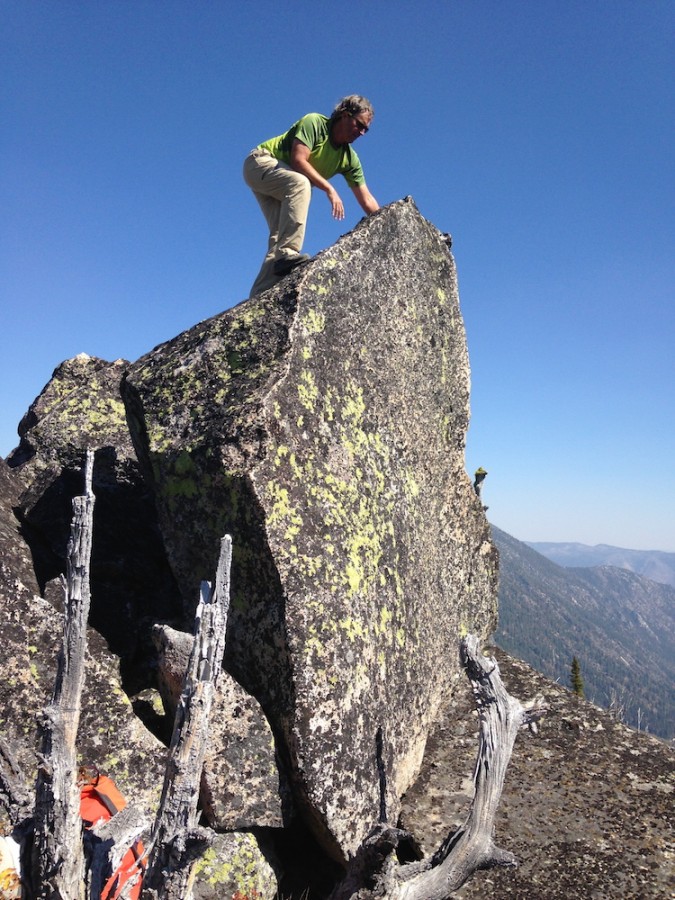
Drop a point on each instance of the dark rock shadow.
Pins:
(132, 586)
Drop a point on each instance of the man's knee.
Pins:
(298, 198)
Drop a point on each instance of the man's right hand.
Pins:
(336, 203)
(300, 162)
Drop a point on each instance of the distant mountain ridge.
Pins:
(654, 564)
(621, 627)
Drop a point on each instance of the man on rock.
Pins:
(478, 480)
(282, 171)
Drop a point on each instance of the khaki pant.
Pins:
(283, 195)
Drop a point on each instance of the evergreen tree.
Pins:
(575, 678)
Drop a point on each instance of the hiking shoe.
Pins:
(287, 263)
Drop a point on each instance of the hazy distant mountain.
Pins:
(621, 627)
(652, 564)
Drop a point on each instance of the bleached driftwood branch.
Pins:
(176, 841)
(471, 847)
(58, 859)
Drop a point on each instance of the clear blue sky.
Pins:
(539, 133)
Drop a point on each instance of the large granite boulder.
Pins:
(322, 424)
(236, 865)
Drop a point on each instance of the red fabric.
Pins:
(100, 801)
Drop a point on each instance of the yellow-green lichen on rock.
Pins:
(80, 407)
(234, 866)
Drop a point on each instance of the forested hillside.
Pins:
(619, 625)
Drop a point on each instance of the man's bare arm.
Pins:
(366, 200)
(300, 162)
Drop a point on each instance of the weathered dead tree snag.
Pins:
(472, 846)
(106, 845)
(176, 841)
(15, 794)
(57, 864)
(58, 859)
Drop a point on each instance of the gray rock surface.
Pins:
(240, 782)
(587, 805)
(79, 409)
(322, 424)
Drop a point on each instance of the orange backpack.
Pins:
(100, 800)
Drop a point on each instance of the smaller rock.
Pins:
(235, 866)
(81, 408)
(241, 783)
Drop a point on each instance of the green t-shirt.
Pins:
(312, 131)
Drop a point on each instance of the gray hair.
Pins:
(352, 105)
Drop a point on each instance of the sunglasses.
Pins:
(363, 128)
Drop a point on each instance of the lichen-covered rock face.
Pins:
(322, 424)
(235, 866)
(21, 682)
(79, 409)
